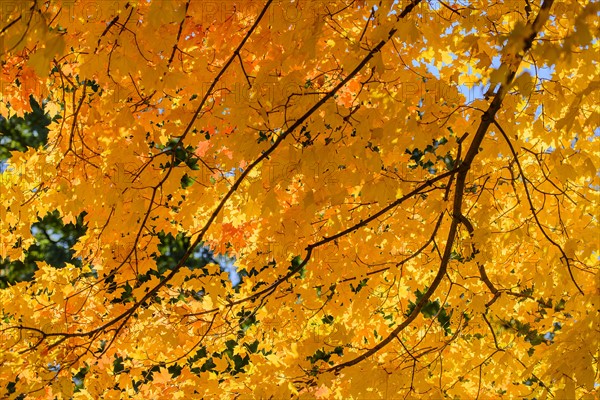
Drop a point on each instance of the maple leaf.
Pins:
(162, 377)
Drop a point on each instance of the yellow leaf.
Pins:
(52, 108)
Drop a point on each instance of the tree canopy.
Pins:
(409, 190)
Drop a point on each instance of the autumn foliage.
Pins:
(409, 190)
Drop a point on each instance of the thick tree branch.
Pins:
(486, 120)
